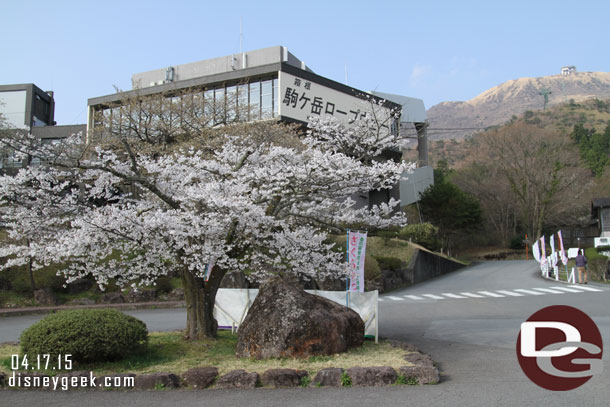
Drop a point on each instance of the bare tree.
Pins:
(541, 170)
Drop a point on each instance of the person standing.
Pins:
(581, 265)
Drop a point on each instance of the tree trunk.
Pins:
(200, 296)
(31, 274)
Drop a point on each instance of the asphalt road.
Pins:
(467, 321)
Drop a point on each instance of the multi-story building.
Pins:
(272, 84)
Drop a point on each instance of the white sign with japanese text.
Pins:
(301, 98)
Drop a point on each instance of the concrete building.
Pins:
(273, 84)
(568, 70)
(27, 108)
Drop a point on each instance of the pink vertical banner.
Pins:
(356, 252)
(562, 250)
(543, 251)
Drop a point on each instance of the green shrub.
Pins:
(164, 284)
(89, 335)
(516, 243)
(423, 234)
(389, 263)
(372, 272)
(346, 381)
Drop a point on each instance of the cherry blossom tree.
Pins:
(135, 204)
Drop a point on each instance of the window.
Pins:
(267, 99)
(231, 103)
(255, 103)
(242, 102)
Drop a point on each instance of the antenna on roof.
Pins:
(241, 35)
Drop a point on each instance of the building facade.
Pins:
(25, 106)
(270, 84)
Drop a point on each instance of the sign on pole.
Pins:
(356, 249)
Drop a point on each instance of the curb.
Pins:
(9, 312)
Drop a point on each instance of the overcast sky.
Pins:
(433, 50)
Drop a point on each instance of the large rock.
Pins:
(331, 376)
(156, 381)
(283, 377)
(423, 374)
(200, 377)
(285, 321)
(238, 379)
(372, 376)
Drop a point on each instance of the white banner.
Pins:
(543, 253)
(536, 251)
(232, 305)
(562, 250)
(552, 244)
(356, 250)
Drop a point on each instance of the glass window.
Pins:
(276, 106)
(219, 105)
(231, 103)
(208, 103)
(242, 102)
(255, 103)
(267, 99)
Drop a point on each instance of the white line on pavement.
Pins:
(490, 294)
(452, 295)
(414, 297)
(580, 287)
(548, 290)
(523, 290)
(512, 294)
(569, 290)
(472, 295)
(434, 297)
(394, 298)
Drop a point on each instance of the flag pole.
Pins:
(347, 268)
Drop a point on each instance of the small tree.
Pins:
(156, 196)
(444, 205)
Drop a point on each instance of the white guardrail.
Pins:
(232, 305)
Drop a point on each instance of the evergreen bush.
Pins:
(89, 335)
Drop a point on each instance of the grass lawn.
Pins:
(168, 352)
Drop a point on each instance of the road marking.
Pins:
(580, 287)
(472, 295)
(523, 290)
(434, 297)
(414, 297)
(512, 294)
(490, 294)
(569, 290)
(452, 295)
(548, 290)
(379, 299)
(394, 298)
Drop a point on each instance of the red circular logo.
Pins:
(559, 348)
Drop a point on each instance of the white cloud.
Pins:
(417, 74)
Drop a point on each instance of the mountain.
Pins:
(512, 98)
